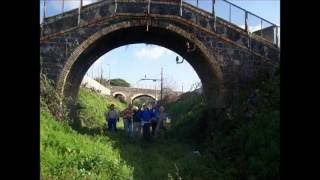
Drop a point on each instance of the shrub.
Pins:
(49, 97)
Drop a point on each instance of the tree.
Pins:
(119, 82)
(113, 82)
(169, 96)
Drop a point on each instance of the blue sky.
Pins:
(267, 9)
(133, 62)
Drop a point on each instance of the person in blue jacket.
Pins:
(146, 120)
(155, 118)
(137, 118)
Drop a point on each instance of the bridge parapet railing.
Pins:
(132, 89)
(49, 8)
(231, 13)
(253, 24)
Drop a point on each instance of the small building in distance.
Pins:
(268, 33)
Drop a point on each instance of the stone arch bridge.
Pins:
(129, 94)
(226, 58)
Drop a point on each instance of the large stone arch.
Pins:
(203, 62)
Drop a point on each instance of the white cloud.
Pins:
(152, 52)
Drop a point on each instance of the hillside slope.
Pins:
(66, 154)
(243, 148)
(89, 153)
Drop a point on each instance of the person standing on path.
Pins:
(146, 121)
(162, 117)
(137, 122)
(112, 117)
(155, 118)
(127, 120)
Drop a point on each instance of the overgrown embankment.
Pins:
(66, 154)
(247, 143)
(92, 153)
(92, 106)
(245, 147)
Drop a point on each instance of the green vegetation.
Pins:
(113, 82)
(187, 114)
(66, 154)
(50, 98)
(241, 148)
(92, 107)
(119, 82)
(94, 154)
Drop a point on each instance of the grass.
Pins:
(186, 115)
(93, 106)
(66, 154)
(91, 154)
(249, 148)
(241, 149)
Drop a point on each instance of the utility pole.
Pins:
(109, 75)
(213, 1)
(155, 92)
(43, 16)
(62, 6)
(44, 9)
(109, 78)
(92, 73)
(79, 13)
(182, 87)
(101, 75)
(154, 80)
(161, 90)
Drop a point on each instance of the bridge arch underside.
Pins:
(119, 95)
(142, 95)
(174, 39)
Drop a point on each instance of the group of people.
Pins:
(138, 121)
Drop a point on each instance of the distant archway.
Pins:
(142, 95)
(119, 95)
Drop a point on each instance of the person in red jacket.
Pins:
(127, 120)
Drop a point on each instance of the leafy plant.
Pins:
(49, 97)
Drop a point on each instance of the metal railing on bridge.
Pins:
(253, 24)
